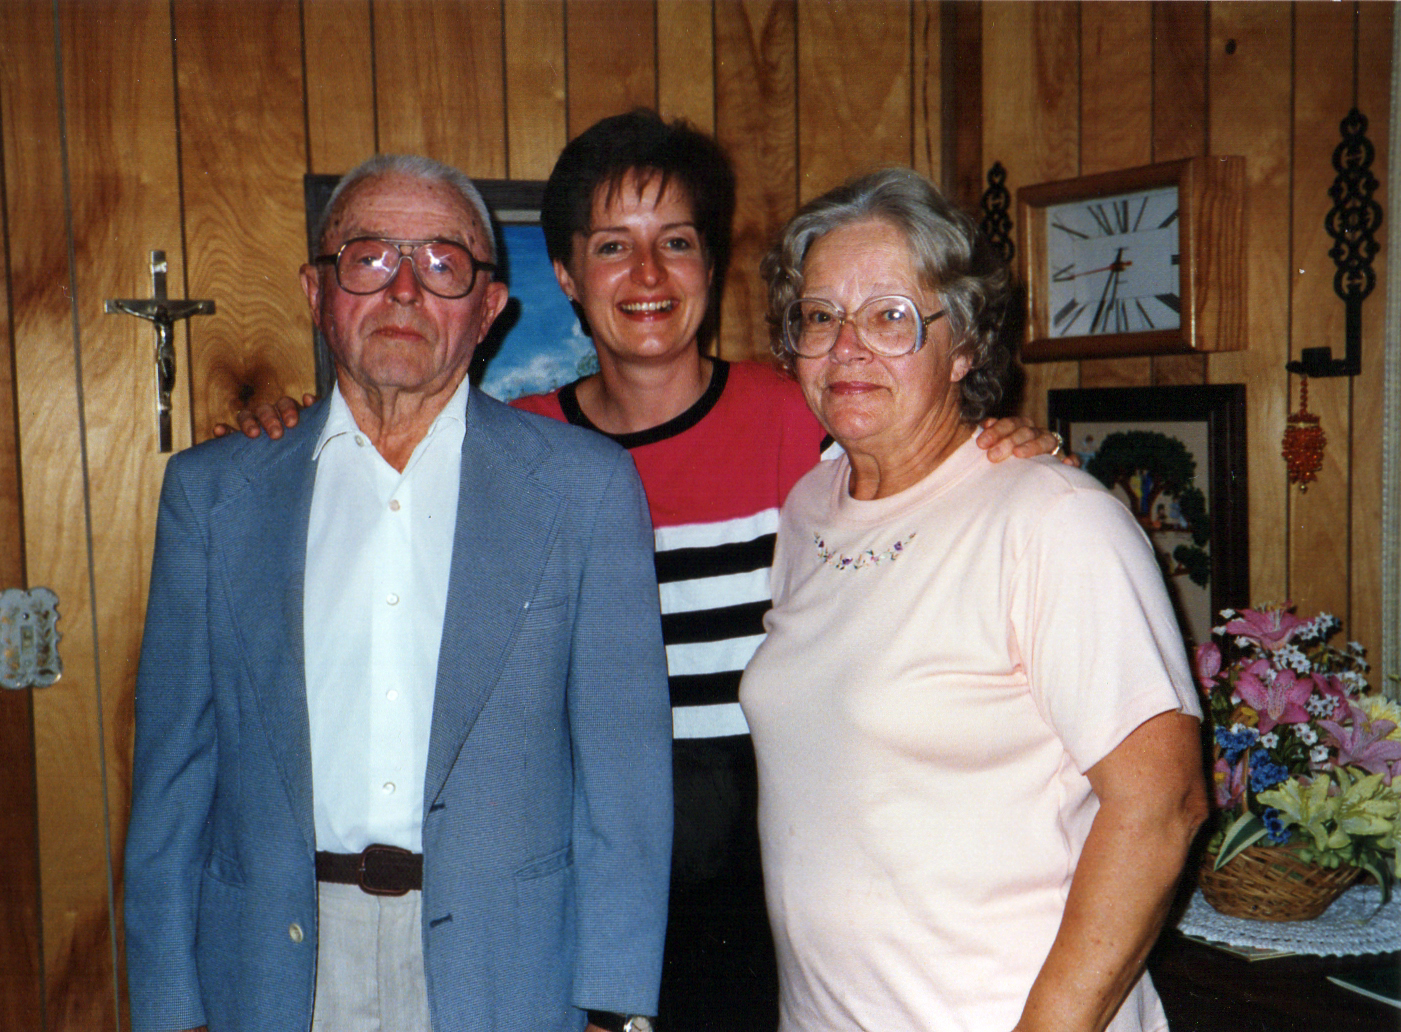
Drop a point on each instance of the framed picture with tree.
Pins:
(1176, 457)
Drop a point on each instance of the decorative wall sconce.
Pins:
(1352, 223)
(996, 223)
(29, 638)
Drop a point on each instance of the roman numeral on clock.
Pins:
(1066, 317)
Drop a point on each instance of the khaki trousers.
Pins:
(369, 968)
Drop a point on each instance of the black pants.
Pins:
(719, 973)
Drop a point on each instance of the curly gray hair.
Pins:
(952, 256)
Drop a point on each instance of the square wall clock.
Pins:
(1144, 261)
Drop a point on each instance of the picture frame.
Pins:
(537, 343)
(1188, 443)
(1123, 307)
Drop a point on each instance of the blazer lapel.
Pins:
(259, 538)
(506, 524)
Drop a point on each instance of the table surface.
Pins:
(1206, 990)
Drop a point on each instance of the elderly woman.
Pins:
(977, 737)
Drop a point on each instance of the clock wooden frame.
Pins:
(1211, 216)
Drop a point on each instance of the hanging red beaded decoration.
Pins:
(1303, 442)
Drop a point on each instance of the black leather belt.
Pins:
(379, 870)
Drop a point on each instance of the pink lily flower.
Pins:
(1364, 743)
(1206, 662)
(1272, 628)
(1230, 783)
(1278, 696)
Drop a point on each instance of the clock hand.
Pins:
(1110, 282)
(1118, 266)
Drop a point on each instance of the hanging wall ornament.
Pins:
(1303, 443)
(996, 224)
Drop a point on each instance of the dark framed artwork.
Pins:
(537, 343)
(1176, 457)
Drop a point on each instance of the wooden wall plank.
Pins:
(119, 90)
(1251, 55)
(686, 61)
(927, 90)
(338, 50)
(245, 221)
(1365, 470)
(80, 981)
(853, 116)
(755, 120)
(1179, 79)
(962, 73)
(1031, 123)
(1179, 123)
(439, 82)
(21, 992)
(1318, 541)
(1116, 85)
(11, 516)
(21, 995)
(612, 58)
(1116, 126)
(535, 86)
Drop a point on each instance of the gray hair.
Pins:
(951, 255)
(414, 167)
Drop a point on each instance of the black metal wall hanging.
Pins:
(997, 224)
(1352, 223)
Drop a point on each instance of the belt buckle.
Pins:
(376, 863)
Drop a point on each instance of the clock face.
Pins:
(1112, 264)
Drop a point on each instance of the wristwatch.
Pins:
(611, 1021)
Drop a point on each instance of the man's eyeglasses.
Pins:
(890, 326)
(366, 265)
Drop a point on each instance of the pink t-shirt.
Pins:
(941, 668)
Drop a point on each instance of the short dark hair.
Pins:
(950, 253)
(602, 157)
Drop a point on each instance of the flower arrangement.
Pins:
(1305, 755)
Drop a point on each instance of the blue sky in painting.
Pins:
(544, 349)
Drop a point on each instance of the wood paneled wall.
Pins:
(1071, 89)
(132, 125)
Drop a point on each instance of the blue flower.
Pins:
(1264, 773)
(1233, 743)
(1278, 833)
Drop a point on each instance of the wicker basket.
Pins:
(1271, 883)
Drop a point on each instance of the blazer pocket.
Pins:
(548, 864)
(544, 611)
(222, 869)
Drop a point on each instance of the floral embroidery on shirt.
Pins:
(867, 558)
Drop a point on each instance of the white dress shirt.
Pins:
(379, 545)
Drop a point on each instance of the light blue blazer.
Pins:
(547, 801)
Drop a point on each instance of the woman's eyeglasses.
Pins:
(890, 326)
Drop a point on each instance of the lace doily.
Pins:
(1355, 923)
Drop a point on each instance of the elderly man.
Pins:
(402, 730)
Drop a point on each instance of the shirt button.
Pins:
(392, 694)
(360, 440)
(294, 930)
(392, 599)
(389, 788)
(393, 505)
